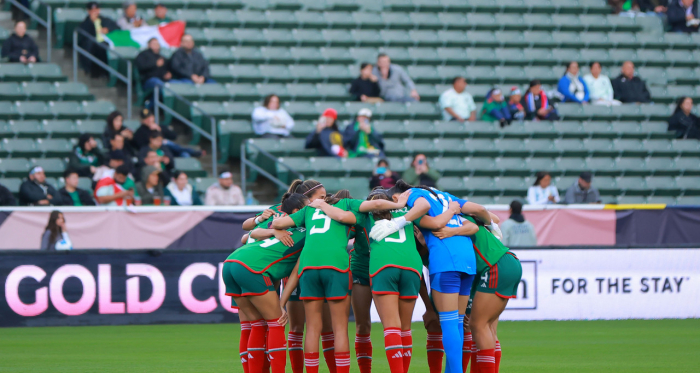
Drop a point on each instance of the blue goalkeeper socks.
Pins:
(452, 340)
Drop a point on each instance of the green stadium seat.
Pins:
(13, 167)
(33, 110)
(632, 185)
(508, 166)
(663, 166)
(20, 148)
(452, 185)
(12, 91)
(629, 147)
(683, 200)
(191, 166)
(511, 185)
(336, 73)
(32, 129)
(67, 110)
(567, 166)
(632, 166)
(300, 92)
(46, 72)
(663, 185)
(478, 185)
(61, 128)
(631, 200)
(312, 55)
(666, 200)
(53, 167)
(54, 147)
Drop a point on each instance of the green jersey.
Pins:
(326, 239)
(271, 256)
(397, 250)
(359, 259)
(265, 224)
(275, 208)
(489, 249)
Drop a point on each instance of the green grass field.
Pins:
(547, 346)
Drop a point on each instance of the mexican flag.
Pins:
(168, 34)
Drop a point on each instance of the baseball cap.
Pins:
(365, 112)
(35, 170)
(330, 112)
(586, 176)
(496, 91)
(145, 113)
(225, 175)
(117, 154)
(92, 5)
(515, 91)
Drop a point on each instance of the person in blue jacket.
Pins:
(495, 108)
(572, 86)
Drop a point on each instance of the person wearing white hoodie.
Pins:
(600, 87)
(270, 120)
(181, 192)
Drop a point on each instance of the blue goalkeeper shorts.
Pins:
(452, 282)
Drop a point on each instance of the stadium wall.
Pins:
(109, 287)
(213, 228)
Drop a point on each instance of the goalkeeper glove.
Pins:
(495, 229)
(384, 228)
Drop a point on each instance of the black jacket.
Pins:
(360, 87)
(685, 126)
(89, 27)
(30, 193)
(167, 172)
(142, 136)
(676, 17)
(6, 197)
(323, 141)
(147, 67)
(83, 169)
(15, 47)
(630, 90)
(84, 196)
(183, 64)
(351, 139)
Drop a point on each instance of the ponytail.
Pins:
(293, 201)
(304, 187)
(341, 194)
(293, 186)
(381, 214)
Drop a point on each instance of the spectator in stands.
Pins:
(270, 121)
(537, 104)
(96, 26)
(572, 86)
(326, 138)
(150, 188)
(542, 192)
(683, 16)
(394, 81)
(581, 191)
(181, 192)
(629, 88)
(116, 159)
(188, 65)
(160, 16)
(165, 157)
(36, 191)
(683, 122)
(651, 7)
(129, 19)
(86, 157)
(20, 47)
(115, 125)
(55, 235)
(420, 172)
(600, 87)
(71, 194)
(516, 230)
(456, 103)
(382, 176)
(224, 193)
(152, 67)
(6, 197)
(495, 108)
(117, 144)
(365, 87)
(115, 191)
(361, 139)
(517, 111)
(142, 136)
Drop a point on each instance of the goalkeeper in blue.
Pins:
(452, 263)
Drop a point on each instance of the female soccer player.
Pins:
(452, 268)
(249, 274)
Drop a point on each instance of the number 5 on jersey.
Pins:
(318, 215)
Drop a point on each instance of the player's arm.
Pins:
(467, 229)
(471, 208)
(282, 235)
(250, 223)
(381, 204)
(342, 216)
(289, 287)
(283, 223)
(384, 228)
(440, 221)
(244, 239)
(495, 218)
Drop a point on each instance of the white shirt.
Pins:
(536, 195)
(600, 88)
(182, 197)
(461, 103)
(277, 122)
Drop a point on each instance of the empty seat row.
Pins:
(19, 167)
(54, 128)
(55, 110)
(44, 91)
(568, 111)
(39, 72)
(27, 148)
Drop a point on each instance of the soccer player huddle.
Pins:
(302, 243)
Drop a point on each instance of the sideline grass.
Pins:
(541, 346)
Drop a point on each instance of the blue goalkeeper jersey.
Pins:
(451, 254)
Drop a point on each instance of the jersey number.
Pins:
(269, 242)
(318, 214)
(401, 239)
(445, 206)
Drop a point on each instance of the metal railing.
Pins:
(246, 163)
(210, 136)
(44, 22)
(128, 80)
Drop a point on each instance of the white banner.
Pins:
(590, 284)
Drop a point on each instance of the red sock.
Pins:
(486, 360)
(276, 346)
(243, 344)
(394, 349)
(342, 362)
(363, 351)
(407, 342)
(435, 352)
(466, 351)
(474, 368)
(311, 362)
(266, 363)
(256, 346)
(296, 352)
(498, 355)
(328, 343)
